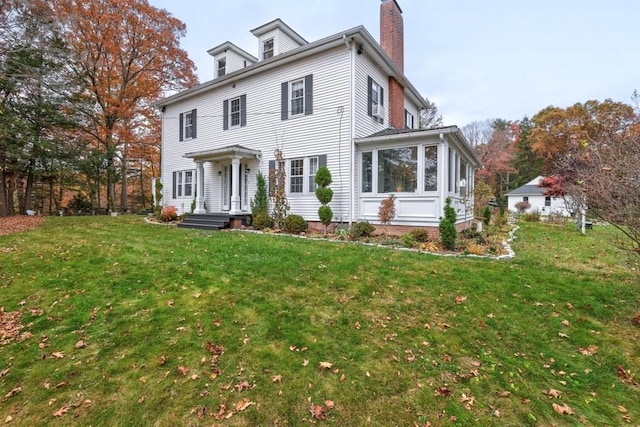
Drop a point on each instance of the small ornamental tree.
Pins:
(260, 202)
(447, 227)
(324, 195)
(279, 197)
(387, 211)
(522, 206)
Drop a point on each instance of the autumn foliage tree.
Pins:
(124, 54)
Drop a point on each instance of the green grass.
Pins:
(145, 300)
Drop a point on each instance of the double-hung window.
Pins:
(267, 49)
(187, 125)
(183, 183)
(297, 97)
(313, 168)
(409, 120)
(375, 107)
(297, 176)
(234, 112)
(222, 67)
(547, 201)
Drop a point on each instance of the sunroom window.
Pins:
(397, 170)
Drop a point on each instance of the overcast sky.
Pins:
(475, 59)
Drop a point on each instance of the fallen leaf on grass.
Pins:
(317, 412)
(8, 419)
(63, 410)
(325, 365)
(570, 306)
(244, 385)
(460, 299)
(80, 344)
(329, 404)
(243, 404)
(12, 393)
(561, 335)
(170, 303)
(57, 355)
(357, 325)
(626, 376)
(142, 400)
(589, 351)
(565, 322)
(4, 372)
(305, 362)
(491, 315)
(217, 323)
(553, 393)
(562, 409)
(183, 370)
(622, 409)
(277, 379)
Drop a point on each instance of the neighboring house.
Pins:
(341, 102)
(532, 193)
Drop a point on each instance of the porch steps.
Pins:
(206, 221)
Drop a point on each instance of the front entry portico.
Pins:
(225, 183)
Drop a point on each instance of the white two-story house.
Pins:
(342, 102)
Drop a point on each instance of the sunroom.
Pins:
(421, 168)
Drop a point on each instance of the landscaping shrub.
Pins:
(409, 240)
(533, 216)
(261, 221)
(447, 227)
(260, 202)
(294, 224)
(486, 215)
(169, 213)
(420, 235)
(522, 206)
(324, 195)
(361, 229)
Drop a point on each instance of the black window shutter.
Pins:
(225, 114)
(322, 160)
(369, 88)
(271, 176)
(243, 110)
(308, 94)
(284, 106)
(194, 126)
(381, 102)
(406, 117)
(175, 181)
(181, 127)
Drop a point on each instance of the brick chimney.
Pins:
(392, 42)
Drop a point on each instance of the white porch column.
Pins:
(199, 188)
(235, 188)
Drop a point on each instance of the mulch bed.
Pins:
(18, 223)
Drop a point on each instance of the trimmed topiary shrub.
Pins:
(262, 220)
(294, 224)
(361, 229)
(324, 195)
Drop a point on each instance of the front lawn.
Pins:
(111, 321)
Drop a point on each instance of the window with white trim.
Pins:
(234, 112)
(267, 49)
(367, 172)
(547, 201)
(377, 103)
(313, 168)
(297, 97)
(222, 67)
(431, 168)
(184, 183)
(409, 120)
(398, 170)
(296, 175)
(188, 125)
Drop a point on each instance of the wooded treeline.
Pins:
(590, 151)
(77, 81)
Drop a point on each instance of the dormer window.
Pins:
(222, 67)
(267, 49)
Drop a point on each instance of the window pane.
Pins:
(313, 168)
(222, 66)
(297, 97)
(367, 172)
(179, 184)
(188, 125)
(267, 49)
(188, 179)
(297, 175)
(431, 168)
(397, 170)
(235, 112)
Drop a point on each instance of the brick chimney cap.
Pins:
(395, 1)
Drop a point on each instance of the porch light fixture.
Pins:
(219, 172)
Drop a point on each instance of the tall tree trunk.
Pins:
(124, 195)
(28, 190)
(3, 196)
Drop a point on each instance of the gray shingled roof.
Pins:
(527, 190)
